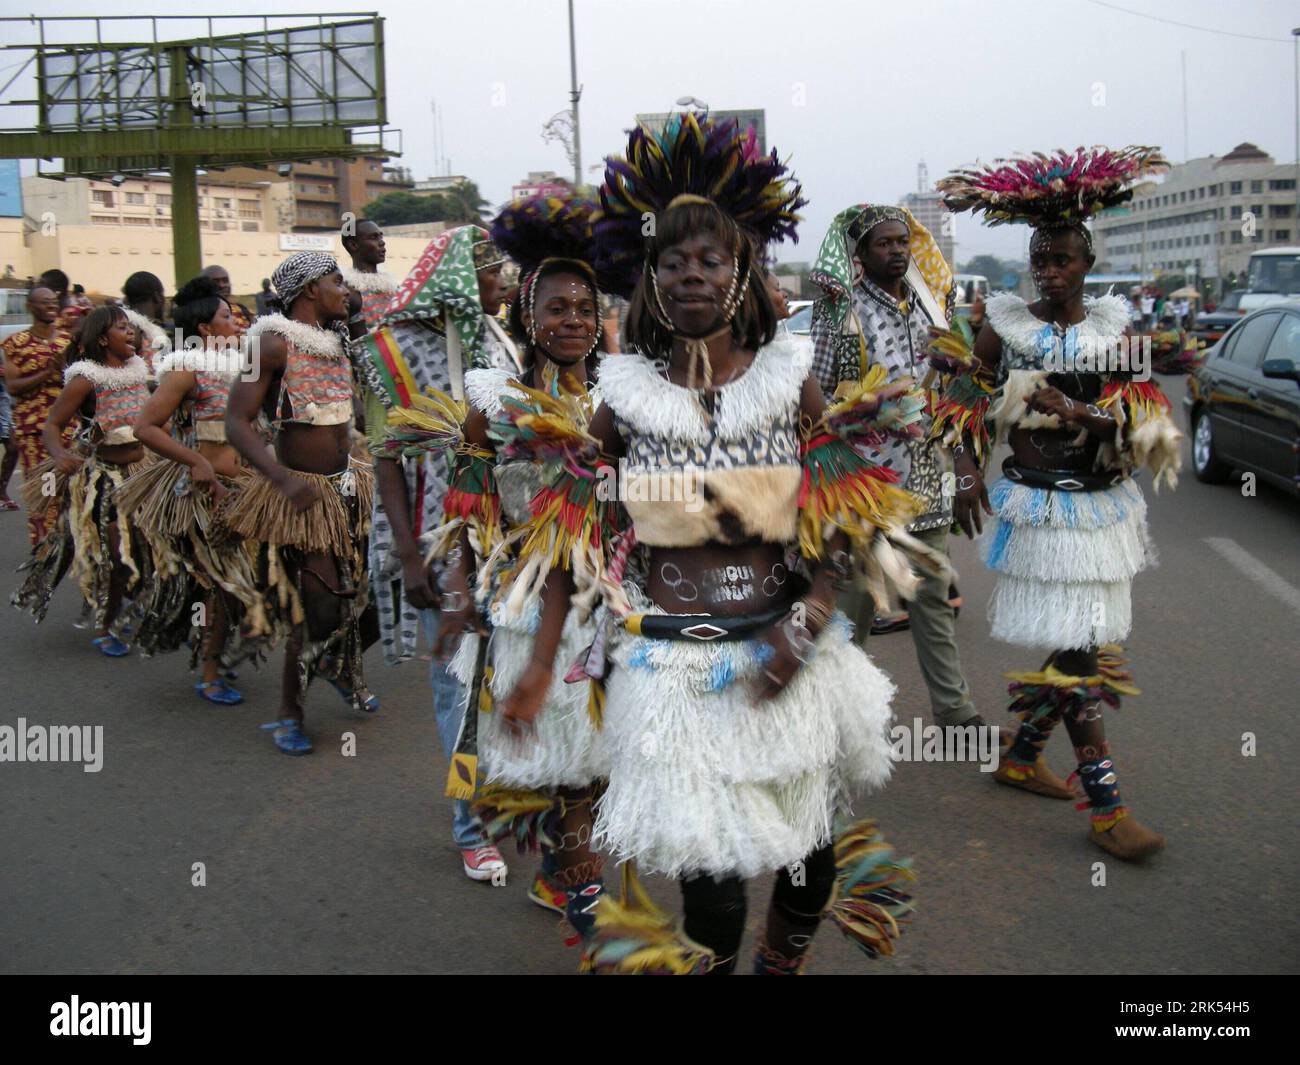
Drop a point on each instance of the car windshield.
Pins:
(1275, 274)
(1231, 301)
(800, 321)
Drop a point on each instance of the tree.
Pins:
(989, 266)
(1168, 283)
(464, 203)
(404, 208)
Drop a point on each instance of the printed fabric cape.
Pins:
(404, 353)
(442, 286)
(833, 271)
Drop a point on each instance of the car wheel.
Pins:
(1205, 459)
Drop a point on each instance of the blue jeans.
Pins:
(448, 695)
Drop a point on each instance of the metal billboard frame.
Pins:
(179, 111)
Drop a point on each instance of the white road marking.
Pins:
(1253, 568)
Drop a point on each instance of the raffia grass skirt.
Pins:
(49, 561)
(706, 779)
(567, 750)
(45, 492)
(262, 512)
(92, 512)
(193, 555)
(1065, 563)
(279, 540)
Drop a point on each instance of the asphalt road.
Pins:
(345, 864)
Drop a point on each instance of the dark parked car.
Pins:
(1243, 405)
(1211, 326)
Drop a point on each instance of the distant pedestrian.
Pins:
(264, 298)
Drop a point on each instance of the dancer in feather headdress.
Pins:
(499, 469)
(1069, 533)
(739, 715)
(439, 324)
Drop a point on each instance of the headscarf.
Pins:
(833, 270)
(298, 271)
(444, 284)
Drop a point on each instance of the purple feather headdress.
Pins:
(1050, 191)
(557, 226)
(693, 155)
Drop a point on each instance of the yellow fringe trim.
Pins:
(1109, 661)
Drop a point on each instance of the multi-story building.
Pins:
(241, 203)
(433, 186)
(1203, 220)
(539, 183)
(927, 207)
(755, 117)
(324, 190)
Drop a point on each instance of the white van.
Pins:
(1273, 276)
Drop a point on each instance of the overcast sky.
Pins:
(856, 93)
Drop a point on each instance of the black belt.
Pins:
(1061, 480)
(703, 628)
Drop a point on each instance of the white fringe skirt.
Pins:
(704, 778)
(567, 750)
(1065, 561)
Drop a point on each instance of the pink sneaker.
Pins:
(484, 863)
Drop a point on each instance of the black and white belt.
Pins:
(1062, 480)
(703, 628)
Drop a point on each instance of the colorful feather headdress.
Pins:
(547, 227)
(698, 157)
(1063, 189)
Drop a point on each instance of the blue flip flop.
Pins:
(110, 645)
(289, 736)
(218, 691)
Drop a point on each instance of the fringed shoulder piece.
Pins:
(1108, 314)
(306, 339)
(369, 283)
(1009, 316)
(483, 389)
(643, 398)
(113, 378)
(1029, 337)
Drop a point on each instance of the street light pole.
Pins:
(574, 94)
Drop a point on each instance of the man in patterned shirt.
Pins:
(33, 369)
(442, 324)
(886, 284)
